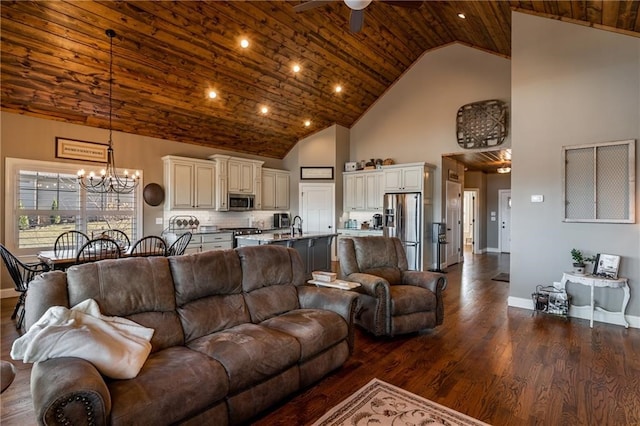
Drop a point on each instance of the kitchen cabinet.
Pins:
(190, 183)
(363, 191)
(275, 189)
(242, 175)
(374, 193)
(403, 178)
(206, 242)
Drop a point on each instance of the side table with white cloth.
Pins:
(598, 281)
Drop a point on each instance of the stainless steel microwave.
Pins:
(241, 201)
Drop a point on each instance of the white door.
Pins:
(454, 223)
(505, 220)
(317, 207)
(470, 222)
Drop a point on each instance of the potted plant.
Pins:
(579, 261)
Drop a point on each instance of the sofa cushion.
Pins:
(208, 292)
(316, 330)
(174, 384)
(270, 275)
(407, 299)
(139, 288)
(250, 353)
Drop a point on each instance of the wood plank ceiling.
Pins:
(168, 55)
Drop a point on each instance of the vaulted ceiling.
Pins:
(168, 56)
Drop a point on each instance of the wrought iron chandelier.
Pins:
(108, 181)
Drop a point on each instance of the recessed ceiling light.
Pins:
(244, 43)
(296, 68)
(212, 94)
(338, 88)
(264, 110)
(307, 123)
(461, 16)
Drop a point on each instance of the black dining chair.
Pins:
(70, 241)
(118, 236)
(180, 245)
(98, 249)
(149, 246)
(21, 274)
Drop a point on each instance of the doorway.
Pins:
(504, 218)
(317, 207)
(454, 223)
(470, 224)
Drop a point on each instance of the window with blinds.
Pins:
(599, 182)
(45, 200)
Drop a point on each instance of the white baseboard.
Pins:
(6, 293)
(492, 250)
(582, 312)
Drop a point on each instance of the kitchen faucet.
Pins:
(293, 226)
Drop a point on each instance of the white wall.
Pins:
(415, 120)
(570, 85)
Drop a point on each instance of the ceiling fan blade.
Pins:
(409, 4)
(311, 4)
(356, 20)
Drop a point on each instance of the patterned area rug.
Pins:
(502, 276)
(379, 403)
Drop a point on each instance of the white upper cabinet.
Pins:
(190, 183)
(403, 178)
(373, 191)
(241, 177)
(275, 189)
(363, 191)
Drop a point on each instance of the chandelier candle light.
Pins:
(109, 181)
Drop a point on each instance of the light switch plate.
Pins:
(158, 221)
(537, 198)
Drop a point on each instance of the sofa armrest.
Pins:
(370, 284)
(342, 302)
(69, 391)
(433, 281)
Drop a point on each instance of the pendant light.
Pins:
(108, 181)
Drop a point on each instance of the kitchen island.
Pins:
(314, 248)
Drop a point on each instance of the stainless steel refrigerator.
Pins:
(403, 219)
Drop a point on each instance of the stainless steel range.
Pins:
(242, 231)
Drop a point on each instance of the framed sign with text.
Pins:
(316, 173)
(81, 150)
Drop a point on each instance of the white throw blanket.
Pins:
(118, 347)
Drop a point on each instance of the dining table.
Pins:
(62, 259)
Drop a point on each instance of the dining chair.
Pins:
(98, 249)
(118, 236)
(150, 245)
(70, 241)
(21, 274)
(180, 245)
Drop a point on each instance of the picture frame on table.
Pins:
(606, 265)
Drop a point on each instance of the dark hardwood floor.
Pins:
(501, 365)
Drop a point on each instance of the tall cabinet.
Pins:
(189, 182)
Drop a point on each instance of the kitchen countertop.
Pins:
(284, 236)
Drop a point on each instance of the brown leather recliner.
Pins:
(394, 300)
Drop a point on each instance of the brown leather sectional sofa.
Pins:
(236, 331)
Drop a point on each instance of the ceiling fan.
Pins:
(356, 19)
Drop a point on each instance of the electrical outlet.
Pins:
(537, 198)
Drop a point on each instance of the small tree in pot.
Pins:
(579, 261)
